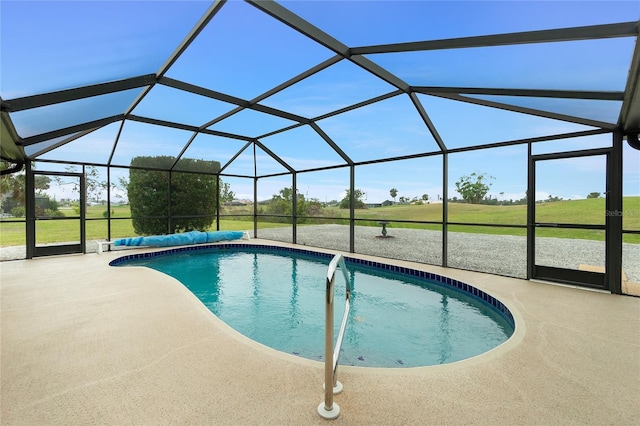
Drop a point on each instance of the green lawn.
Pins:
(584, 212)
(590, 211)
(12, 232)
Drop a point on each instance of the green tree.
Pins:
(282, 204)
(474, 187)
(13, 189)
(226, 194)
(192, 195)
(394, 193)
(313, 207)
(94, 186)
(425, 198)
(593, 195)
(41, 183)
(358, 199)
(18, 189)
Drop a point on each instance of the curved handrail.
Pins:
(328, 409)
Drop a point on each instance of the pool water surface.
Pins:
(277, 298)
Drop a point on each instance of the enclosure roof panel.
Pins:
(303, 149)
(486, 125)
(169, 104)
(93, 147)
(244, 52)
(48, 118)
(139, 139)
(368, 81)
(567, 65)
(54, 45)
(333, 88)
(211, 148)
(361, 23)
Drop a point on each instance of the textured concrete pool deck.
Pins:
(85, 343)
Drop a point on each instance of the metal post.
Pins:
(255, 207)
(613, 218)
(255, 192)
(30, 210)
(531, 199)
(218, 180)
(352, 204)
(445, 208)
(169, 215)
(83, 211)
(108, 204)
(294, 213)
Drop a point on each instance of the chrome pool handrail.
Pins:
(328, 409)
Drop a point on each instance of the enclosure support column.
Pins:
(30, 210)
(255, 207)
(294, 214)
(445, 207)
(218, 202)
(169, 219)
(531, 199)
(613, 219)
(83, 211)
(108, 204)
(352, 204)
(255, 192)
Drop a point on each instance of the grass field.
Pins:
(591, 211)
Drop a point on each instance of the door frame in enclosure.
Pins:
(33, 250)
(610, 279)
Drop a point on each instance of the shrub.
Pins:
(192, 195)
(18, 211)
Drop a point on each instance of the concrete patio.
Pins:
(85, 343)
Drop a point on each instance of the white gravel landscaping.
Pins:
(496, 254)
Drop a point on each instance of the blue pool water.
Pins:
(276, 297)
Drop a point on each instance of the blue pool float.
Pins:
(183, 239)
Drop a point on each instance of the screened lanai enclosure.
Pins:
(499, 137)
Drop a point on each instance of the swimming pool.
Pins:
(274, 295)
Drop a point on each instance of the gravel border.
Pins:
(496, 254)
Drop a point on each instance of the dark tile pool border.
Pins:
(460, 286)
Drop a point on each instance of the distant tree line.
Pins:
(493, 201)
(406, 200)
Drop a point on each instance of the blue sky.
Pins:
(244, 53)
